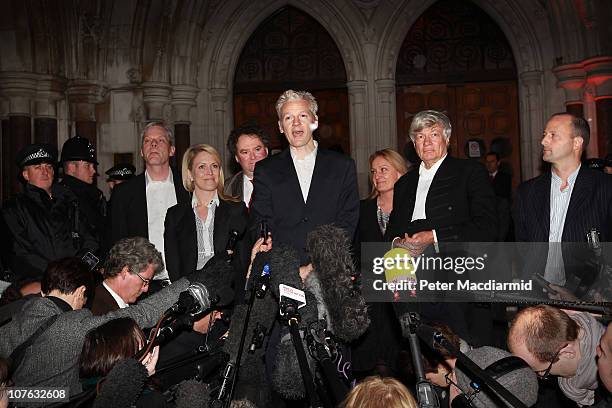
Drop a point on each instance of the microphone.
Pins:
(261, 282)
(231, 243)
(123, 385)
(193, 301)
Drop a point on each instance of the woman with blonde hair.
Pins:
(377, 392)
(196, 230)
(377, 350)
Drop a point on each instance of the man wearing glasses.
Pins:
(554, 342)
(126, 276)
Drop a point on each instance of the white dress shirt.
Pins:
(559, 202)
(247, 189)
(426, 176)
(120, 302)
(205, 230)
(161, 195)
(304, 168)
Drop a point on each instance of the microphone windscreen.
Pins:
(522, 383)
(191, 394)
(330, 253)
(284, 268)
(123, 385)
(242, 403)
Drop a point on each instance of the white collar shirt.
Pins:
(247, 189)
(161, 195)
(426, 176)
(305, 168)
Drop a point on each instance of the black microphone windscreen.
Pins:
(191, 394)
(123, 385)
(284, 268)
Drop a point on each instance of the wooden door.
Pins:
(333, 131)
(485, 113)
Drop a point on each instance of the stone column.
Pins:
(220, 120)
(532, 122)
(8, 167)
(83, 96)
(183, 99)
(49, 91)
(19, 88)
(156, 97)
(599, 77)
(360, 140)
(572, 78)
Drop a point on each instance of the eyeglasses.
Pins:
(145, 282)
(544, 374)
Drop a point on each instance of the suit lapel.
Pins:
(220, 227)
(291, 179)
(318, 178)
(583, 189)
(541, 205)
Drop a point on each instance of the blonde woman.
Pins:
(377, 350)
(198, 229)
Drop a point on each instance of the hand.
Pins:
(150, 361)
(305, 271)
(261, 246)
(417, 243)
(561, 294)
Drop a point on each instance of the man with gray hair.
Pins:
(131, 265)
(446, 200)
(138, 206)
(304, 186)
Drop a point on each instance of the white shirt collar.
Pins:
(310, 156)
(570, 180)
(433, 169)
(120, 302)
(168, 180)
(215, 200)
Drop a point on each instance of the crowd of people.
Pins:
(91, 281)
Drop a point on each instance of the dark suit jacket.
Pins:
(589, 207)
(277, 198)
(502, 185)
(103, 302)
(129, 206)
(234, 186)
(369, 231)
(460, 204)
(180, 236)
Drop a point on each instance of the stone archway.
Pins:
(529, 44)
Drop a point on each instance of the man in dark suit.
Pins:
(124, 279)
(501, 182)
(445, 200)
(138, 206)
(564, 205)
(248, 144)
(304, 186)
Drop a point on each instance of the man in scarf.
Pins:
(555, 342)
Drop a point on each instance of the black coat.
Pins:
(93, 206)
(502, 185)
(460, 204)
(180, 235)
(277, 198)
(589, 207)
(129, 206)
(40, 229)
(381, 343)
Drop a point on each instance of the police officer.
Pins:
(79, 161)
(119, 173)
(43, 222)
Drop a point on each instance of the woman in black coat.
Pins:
(376, 352)
(196, 230)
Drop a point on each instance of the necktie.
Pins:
(251, 198)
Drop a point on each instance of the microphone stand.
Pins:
(230, 373)
(426, 331)
(426, 395)
(292, 318)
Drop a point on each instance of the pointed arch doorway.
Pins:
(291, 50)
(456, 59)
